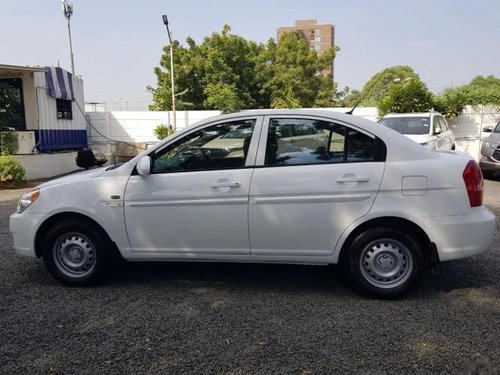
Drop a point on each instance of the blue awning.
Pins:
(59, 83)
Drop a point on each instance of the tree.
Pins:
(347, 97)
(217, 74)
(8, 101)
(229, 73)
(450, 102)
(409, 96)
(380, 84)
(481, 90)
(293, 71)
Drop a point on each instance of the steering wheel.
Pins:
(198, 152)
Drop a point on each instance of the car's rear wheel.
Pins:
(385, 262)
(76, 253)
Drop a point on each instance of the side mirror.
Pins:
(144, 166)
(488, 129)
(437, 130)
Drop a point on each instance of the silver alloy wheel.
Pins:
(386, 263)
(74, 255)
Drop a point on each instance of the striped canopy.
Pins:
(59, 83)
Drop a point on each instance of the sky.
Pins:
(117, 44)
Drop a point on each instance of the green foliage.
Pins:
(450, 103)
(285, 99)
(379, 86)
(409, 96)
(11, 172)
(229, 73)
(224, 97)
(293, 69)
(347, 98)
(481, 90)
(8, 101)
(163, 131)
(8, 143)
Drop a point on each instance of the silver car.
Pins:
(490, 152)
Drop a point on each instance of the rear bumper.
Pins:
(461, 236)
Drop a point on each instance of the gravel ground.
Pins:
(239, 319)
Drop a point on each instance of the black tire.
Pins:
(77, 253)
(385, 262)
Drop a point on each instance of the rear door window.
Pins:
(306, 141)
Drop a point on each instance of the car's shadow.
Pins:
(466, 273)
(469, 273)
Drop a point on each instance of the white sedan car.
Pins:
(291, 186)
(429, 129)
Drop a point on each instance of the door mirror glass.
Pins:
(488, 129)
(437, 130)
(144, 166)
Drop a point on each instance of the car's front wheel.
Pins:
(76, 253)
(385, 262)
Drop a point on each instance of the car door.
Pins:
(306, 190)
(195, 201)
(447, 138)
(441, 134)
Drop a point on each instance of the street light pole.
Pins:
(165, 21)
(68, 12)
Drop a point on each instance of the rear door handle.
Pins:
(342, 180)
(225, 184)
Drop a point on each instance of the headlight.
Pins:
(27, 199)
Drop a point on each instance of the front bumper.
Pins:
(488, 165)
(461, 236)
(23, 227)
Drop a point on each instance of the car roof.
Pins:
(412, 114)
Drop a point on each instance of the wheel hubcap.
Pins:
(74, 255)
(386, 263)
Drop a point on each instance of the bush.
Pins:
(450, 103)
(411, 96)
(8, 142)
(163, 131)
(11, 172)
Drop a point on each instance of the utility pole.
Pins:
(68, 12)
(165, 21)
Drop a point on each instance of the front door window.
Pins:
(222, 146)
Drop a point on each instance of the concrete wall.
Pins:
(138, 126)
(131, 127)
(468, 128)
(47, 165)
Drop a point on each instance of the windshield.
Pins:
(408, 125)
(497, 128)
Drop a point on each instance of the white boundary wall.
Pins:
(138, 126)
(47, 165)
(131, 126)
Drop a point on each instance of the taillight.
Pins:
(473, 179)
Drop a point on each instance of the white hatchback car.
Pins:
(430, 129)
(306, 187)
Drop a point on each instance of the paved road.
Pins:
(238, 319)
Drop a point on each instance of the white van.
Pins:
(429, 129)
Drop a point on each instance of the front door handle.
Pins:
(352, 178)
(225, 184)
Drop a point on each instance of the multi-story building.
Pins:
(319, 37)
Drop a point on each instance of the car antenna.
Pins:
(367, 92)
